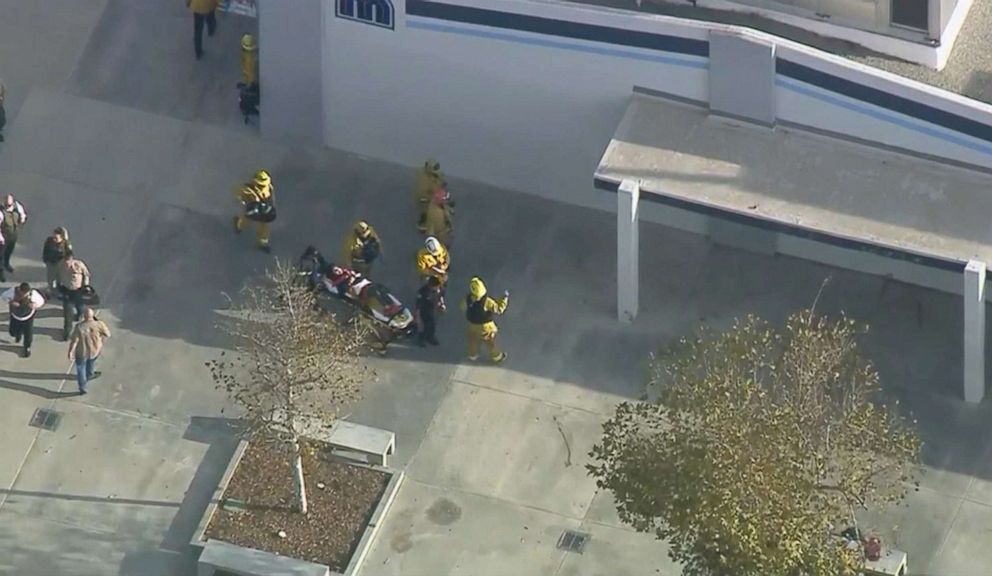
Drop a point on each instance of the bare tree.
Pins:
(758, 446)
(293, 366)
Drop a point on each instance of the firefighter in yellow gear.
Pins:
(258, 205)
(249, 60)
(480, 309)
(438, 220)
(429, 178)
(433, 260)
(361, 247)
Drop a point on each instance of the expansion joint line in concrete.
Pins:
(494, 499)
(950, 526)
(954, 517)
(455, 380)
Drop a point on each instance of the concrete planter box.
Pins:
(264, 563)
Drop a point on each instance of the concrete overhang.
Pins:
(834, 191)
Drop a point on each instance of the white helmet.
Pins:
(433, 245)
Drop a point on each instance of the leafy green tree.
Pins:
(754, 447)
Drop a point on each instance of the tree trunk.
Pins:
(301, 487)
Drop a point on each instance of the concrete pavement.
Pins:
(494, 455)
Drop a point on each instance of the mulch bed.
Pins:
(337, 514)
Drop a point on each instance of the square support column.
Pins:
(974, 331)
(628, 196)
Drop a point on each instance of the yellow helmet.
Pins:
(476, 288)
(248, 43)
(362, 228)
(432, 166)
(262, 178)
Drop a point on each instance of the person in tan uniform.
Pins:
(73, 281)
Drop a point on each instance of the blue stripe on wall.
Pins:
(660, 58)
(782, 228)
(884, 99)
(891, 118)
(679, 45)
(561, 28)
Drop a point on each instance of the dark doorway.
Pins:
(910, 13)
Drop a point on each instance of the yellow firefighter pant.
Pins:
(483, 334)
(261, 229)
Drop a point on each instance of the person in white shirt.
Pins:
(23, 302)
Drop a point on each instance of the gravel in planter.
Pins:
(337, 515)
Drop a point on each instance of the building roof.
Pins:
(789, 181)
(968, 71)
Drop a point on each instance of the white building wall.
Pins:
(533, 112)
(510, 109)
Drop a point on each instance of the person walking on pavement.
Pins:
(204, 11)
(14, 217)
(85, 344)
(480, 309)
(52, 254)
(258, 205)
(361, 248)
(428, 301)
(23, 302)
(74, 280)
(429, 178)
(438, 219)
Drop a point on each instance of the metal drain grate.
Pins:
(571, 541)
(46, 419)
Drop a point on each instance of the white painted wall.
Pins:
(534, 113)
(812, 106)
(290, 69)
(513, 114)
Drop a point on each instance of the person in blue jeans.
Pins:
(85, 344)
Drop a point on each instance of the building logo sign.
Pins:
(375, 12)
(243, 7)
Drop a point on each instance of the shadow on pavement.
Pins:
(221, 436)
(35, 390)
(174, 555)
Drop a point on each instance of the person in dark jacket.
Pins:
(429, 300)
(52, 254)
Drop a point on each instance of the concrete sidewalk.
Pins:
(495, 455)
